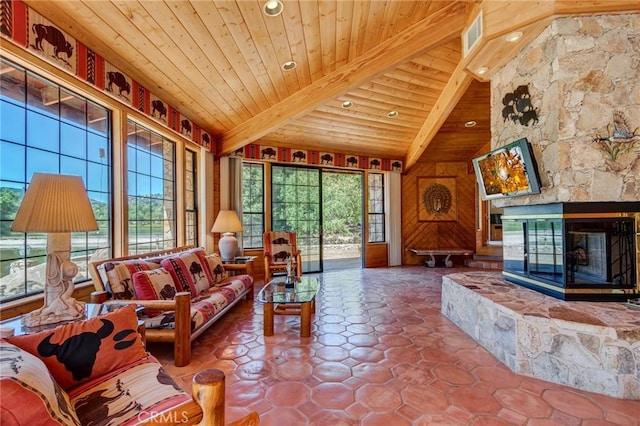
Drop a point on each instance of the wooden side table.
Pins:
(240, 265)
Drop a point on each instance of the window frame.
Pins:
(80, 142)
(376, 198)
(249, 238)
(136, 168)
(191, 224)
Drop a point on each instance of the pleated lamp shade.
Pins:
(227, 221)
(55, 203)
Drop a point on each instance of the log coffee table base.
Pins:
(298, 299)
(304, 310)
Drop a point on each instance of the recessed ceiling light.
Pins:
(273, 8)
(482, 70)
(347, 104)
(392, 114)
(514, 36)
(470, 123)
(287, 66)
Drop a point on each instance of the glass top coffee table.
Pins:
(300, 300)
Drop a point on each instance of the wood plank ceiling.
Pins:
(220, 63)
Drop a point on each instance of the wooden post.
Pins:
(182, 342)
(268, 318)
(305, 319)
(208, 392)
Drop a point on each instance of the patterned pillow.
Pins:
(29, 394)
(119, 277)
(156, 284)
(216, 267)
(190, 271)
(280, 247)
(130, 395)
(79, 351)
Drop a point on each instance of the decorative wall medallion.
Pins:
(437, 200)
(518, 107)
(621, 140)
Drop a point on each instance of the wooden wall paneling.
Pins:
(431, 235)
(376, 255)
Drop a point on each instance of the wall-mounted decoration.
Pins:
(326, 158)
(320, 158)
(518, 107)
(47, 40)
(620, 140)
(299, 156)
(437, 199)
(29, 30)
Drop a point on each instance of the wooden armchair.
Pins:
(279, 246)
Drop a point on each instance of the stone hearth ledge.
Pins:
(593, 346)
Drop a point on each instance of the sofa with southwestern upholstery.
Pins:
(179, 292)
(97, 372)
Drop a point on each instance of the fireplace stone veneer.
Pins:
(592, 346)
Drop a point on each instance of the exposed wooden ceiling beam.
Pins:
(441, 27)
(453, 91)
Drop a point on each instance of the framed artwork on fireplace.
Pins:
(437, 199)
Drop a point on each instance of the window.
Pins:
(190, 198)
(252, 204)
(376, 208)
(46, 128)
(151, 189)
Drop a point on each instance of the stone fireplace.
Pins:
(580, 237)
(583, 79)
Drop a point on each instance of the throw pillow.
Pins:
(79, 351)
(156, 284)
(216, 267)
(119, 277)
(190, 271)
(29, 394)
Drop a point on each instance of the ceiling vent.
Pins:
(472, 35)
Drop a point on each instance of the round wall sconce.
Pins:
(289, 65)
(273, 8)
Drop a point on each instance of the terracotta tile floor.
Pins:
(380, 354)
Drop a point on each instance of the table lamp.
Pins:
(57, 205)
(227, 223)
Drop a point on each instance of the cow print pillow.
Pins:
(83, 350)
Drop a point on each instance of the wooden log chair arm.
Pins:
(207, 406)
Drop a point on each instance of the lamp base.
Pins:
(228, 246)
(58, 304)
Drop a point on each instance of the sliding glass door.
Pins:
(295, 206)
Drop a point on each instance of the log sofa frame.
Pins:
(181, 336)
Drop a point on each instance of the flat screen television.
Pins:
(509, 171)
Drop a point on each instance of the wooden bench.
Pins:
(441, 252)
